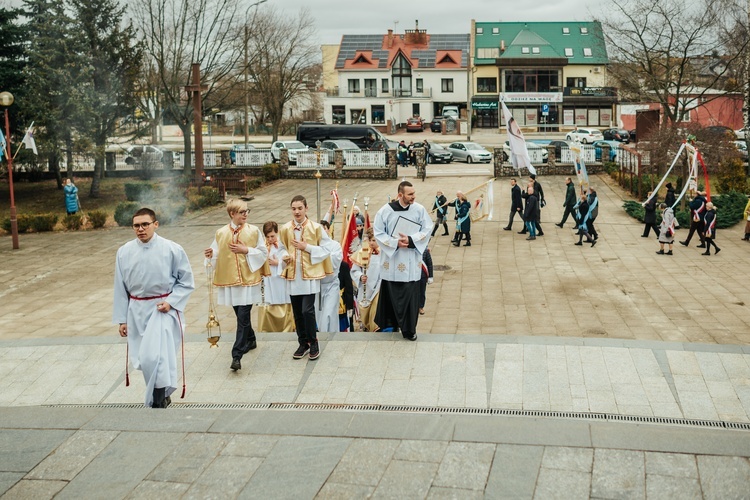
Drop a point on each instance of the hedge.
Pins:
(730, 209)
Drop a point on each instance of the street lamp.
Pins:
(318, 175)
(247, 100)
(6, 100)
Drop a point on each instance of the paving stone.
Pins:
(189, 458)
(158, 490)
(562, 484)
(404, 479)
(8, 479)
(724, 477)
(121, 466)
(21, 450)
(334, 491)
(671, 464)
(567, 458)
(421, 451)
(297, 467)
(226, 475)
(618, 474)
(34, 488)
(465, 466)
(671, 487)
(248, 445)
(439, 493)
(364, 462)
(514, 472)
(73, 455)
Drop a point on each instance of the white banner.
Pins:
(542, 97)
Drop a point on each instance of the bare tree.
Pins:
(284, 57)
(657, 47)
(177, 33)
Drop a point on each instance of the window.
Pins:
(586, 52)
(446, 84)
(524, 50)
(338, 115)
(480, 30)
(415, 109)
(384, 84)
(495, 31)
(575, 82)
(401, 71)
(566, 31)
(354, 86)
(488, 53)
(568, 52)
(371, 87)
(420, 85)
(534, 50)
(486, 84)
(531, 80)
(378, 114)
(584, 30)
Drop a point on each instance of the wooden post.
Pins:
(196, 88)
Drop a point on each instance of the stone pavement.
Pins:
(542, 370)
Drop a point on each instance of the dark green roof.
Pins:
(543, 40)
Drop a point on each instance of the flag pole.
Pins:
(21, 143)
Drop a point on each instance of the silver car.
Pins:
(343, 144)
(292, 147)
(470, 152)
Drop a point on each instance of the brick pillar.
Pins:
(605, 152)
(551, 158)
(392, 164)
(497, 161)
(284, 159)
(338, 163)
(419, 154)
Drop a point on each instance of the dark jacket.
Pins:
(583, 210)
(531, 211)
(650, 216)
(440, 201)
(463, 211)
(698, 206)
(515, 198)
(539, 192)
(427, 259)
(570, 196)
(710, 224)
(670, 198)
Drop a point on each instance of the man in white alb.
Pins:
(402, 229)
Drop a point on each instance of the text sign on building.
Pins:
(484, 105)
(541, 97)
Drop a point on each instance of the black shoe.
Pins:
(506, 229)
(593, 243)
(702, 245)
(467, 244)
(579, 244)
(522, 232)
(644, 236)
(684, 243)
(540, 234)
(456, 243)
(706, 253)
(314, 350)
(236, 364)
(253, 345)
(660, 252)
(669, 253)
(301, 351)
(531, 238)
(717, 251)
(412, 337)
(445, 234)
(559, 225)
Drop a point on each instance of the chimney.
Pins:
(417, 24)
(390, 38)
(502, 46)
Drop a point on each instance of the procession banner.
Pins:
(482, 201)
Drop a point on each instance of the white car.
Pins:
(585, 135)
(144, 155)
(293, 147)
(469, 152)
(343, 144)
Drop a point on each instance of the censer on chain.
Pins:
(213, 327)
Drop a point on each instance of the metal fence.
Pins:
(588, 154)
(251, 157)
(364, 159)
(309, 159)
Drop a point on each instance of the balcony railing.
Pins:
(342, 92)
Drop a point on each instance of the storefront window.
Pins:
(378, 114)
(532, 80)
(338, 115)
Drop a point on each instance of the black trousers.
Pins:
(591, 228)
(303, 307)
(647, 229)
(695, 226)
(423, 290)
(568, 211)
(245, 333)
(512, 214)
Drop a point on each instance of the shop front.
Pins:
(485, 111)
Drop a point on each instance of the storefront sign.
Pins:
(590, 91)
(484, 105)
(511, 97)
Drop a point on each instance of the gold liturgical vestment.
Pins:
(312, 234)
(232, 268)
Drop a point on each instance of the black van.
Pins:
(361, 135)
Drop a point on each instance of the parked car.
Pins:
(616, 134)
(383, 145)
(293, 147)
(238, 147)
(613, 148)
(436, 125)
(558, 147)
(469, 152)
(437, 153)
(585, 135)
(414, 124)
(145, 155)
(535, 145)
(342, 144)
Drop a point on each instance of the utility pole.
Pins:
(746, 95)
(246, 87)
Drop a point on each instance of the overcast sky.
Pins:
(338, 17)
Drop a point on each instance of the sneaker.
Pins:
(314, 350)
(236, 364)
(301, 351)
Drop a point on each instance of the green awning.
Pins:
(484, 105)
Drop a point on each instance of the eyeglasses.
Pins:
(143, 225)
(243, 212)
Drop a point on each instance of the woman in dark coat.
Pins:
(649, 218)
(463, 222)
(710, 229)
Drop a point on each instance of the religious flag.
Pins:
(367, 218)
(350, 235)
(519, 153)
(580, 166)
(336, 202)
(482, 201)
(3, 145)
(28, 140)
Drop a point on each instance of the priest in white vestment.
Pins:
(153, 281)
(402, 229)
